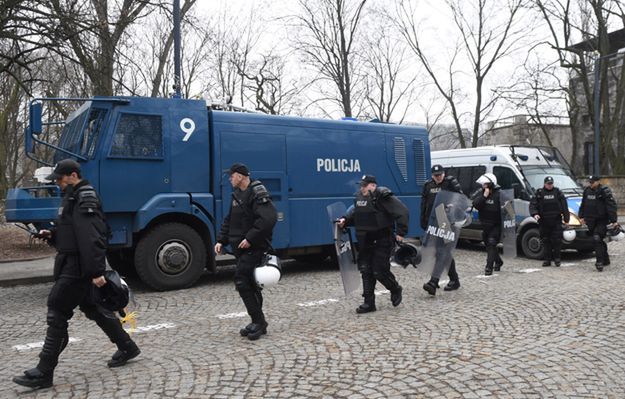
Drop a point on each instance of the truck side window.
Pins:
(138, 136)
(505, 177)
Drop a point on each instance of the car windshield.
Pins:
(563, 180)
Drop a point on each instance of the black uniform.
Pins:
(377, 217)
(598, 209)
(252, 217)
(428, 196)
(80, 238)
(552, 208)
(490, 218)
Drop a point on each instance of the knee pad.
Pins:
(242, 285)
(364, 268)
(56, 319)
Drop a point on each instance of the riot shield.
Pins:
(508, 223)
(449, 214)
(345, 251)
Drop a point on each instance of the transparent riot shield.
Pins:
(449, 215)
(345, 251)
(508, 223)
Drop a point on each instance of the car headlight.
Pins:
(574, 220)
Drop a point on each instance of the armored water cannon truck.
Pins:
(160, 166)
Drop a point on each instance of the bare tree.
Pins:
(270, 89)
(327, 37)
(571, 21)
(388, 88)
(94, 35)
(487, 33)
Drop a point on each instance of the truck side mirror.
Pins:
(35, 119)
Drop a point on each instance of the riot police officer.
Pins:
(380, 218)
(248, 229)
(550, 209)
(80, 238)
(488, 203)
(439, 182)
(597, 210)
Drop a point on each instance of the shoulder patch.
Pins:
(261, 195)
(88, 201)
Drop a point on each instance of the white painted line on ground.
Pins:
(152, 327)
(568, 264)
(37, 345)
(231, 315)
(529, 270)
(317, 303)
(382, 292)
(481, 276)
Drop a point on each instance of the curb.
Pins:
(27, 259)
(26, 281)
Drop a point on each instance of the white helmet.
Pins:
(569, 235)
(615, 233)
(269, 272)
(487, 178)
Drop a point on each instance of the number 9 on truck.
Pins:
(187, 126)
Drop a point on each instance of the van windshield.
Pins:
(562, 179)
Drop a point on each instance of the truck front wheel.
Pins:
(531, 244)
(170, 256)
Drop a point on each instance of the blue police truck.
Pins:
(160, 168)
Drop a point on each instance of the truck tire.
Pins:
(122, 261)
(531, 245)
(170, 256)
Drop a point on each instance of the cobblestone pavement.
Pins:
(526, 332)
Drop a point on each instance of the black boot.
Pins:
(452, 285)
(256, 330)
(498, 265)
(396, 296)
(557, 262)
(599, 266)
(488, 271)
(431, 287)
(56, 340)
(128, 350)
(246, 330)
(34, 378)
(547, 263)
(366, 308)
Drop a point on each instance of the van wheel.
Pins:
(170, 256)
(122, 261)
(531, 244)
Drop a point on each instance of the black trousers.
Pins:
(491, 236)
(551, 237)
(65, 296)
(598, 228)
(250, 293)
(374, 263)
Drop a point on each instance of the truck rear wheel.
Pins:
(531, 244)
(170, 256)
(122, 261)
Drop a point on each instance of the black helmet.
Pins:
(114, 295)
(406, 254)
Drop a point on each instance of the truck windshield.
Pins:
(562, 179)
(81, 131)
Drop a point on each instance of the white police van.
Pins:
(523, 169)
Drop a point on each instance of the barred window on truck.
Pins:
(138, 136)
